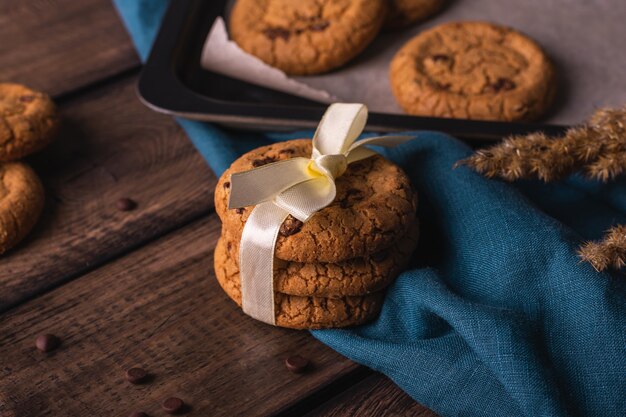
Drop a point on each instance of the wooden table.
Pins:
(136, 288)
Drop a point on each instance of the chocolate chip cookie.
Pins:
(405, 12)
(299, 312)
(28, 121)
(306, 36)
(21, 202)
(374, 207)
(358, 276)
(473, 70)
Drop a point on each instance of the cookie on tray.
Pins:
(374, 207)
(28, 121)
(21, 202)
(473, 70)
(402, 13)
(299, 312)
(306, 36)
(358, 276)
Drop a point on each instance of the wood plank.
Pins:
(111, 146)
(160, 308)
(61, 45)
(375, 396)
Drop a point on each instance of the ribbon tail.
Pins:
(358, 150)
(387, 141)
(256, 261)
(264, 183)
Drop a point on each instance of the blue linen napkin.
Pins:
(497, 316)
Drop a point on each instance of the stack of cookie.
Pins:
(28, 122)
(332, 270)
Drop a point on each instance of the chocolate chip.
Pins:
(288, 151)
(138, 414)
(351, 196)
(297, 364)
(379, 256)
(501, 84)
(136, 375)
(263, 161)
(173, 405)
(125, 204)
(229, 246)
(318, 27)
(26, 98)
(227, 185)
(443, 86)
(440, 58)
(290, 226)
(47, 342)
(239, 210)
(375, 230)
(274, 33)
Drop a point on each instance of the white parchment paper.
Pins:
(586, 39)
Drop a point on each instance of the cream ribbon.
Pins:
(297, 186)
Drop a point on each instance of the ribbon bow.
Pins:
(300, 187)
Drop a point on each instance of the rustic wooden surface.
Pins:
(136, 288)
(62, 45)
(374, 396)
(168, 315)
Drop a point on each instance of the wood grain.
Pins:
(160, 308)
(111, 146)
(375, 396)
(61, 45)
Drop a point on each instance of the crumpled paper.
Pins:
(223, 56)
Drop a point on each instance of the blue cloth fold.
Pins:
(496, 316)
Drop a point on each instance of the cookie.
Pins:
(306, 36)
(28, 121)
(21, 202)
(299, 312)
(358, 276)
(402, 13)
(374, 207)
(473, 70)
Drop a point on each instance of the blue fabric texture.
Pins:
(496, 316)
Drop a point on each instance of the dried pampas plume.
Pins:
(598, 149)
(610, 252)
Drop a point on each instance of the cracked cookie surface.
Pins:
(405, 12)
(358, 276)
(306, 36)
(473, 70)
(21, 202)
(299, 312)
(28, 121)
(374, 207)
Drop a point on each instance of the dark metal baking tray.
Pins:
(173, 82)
